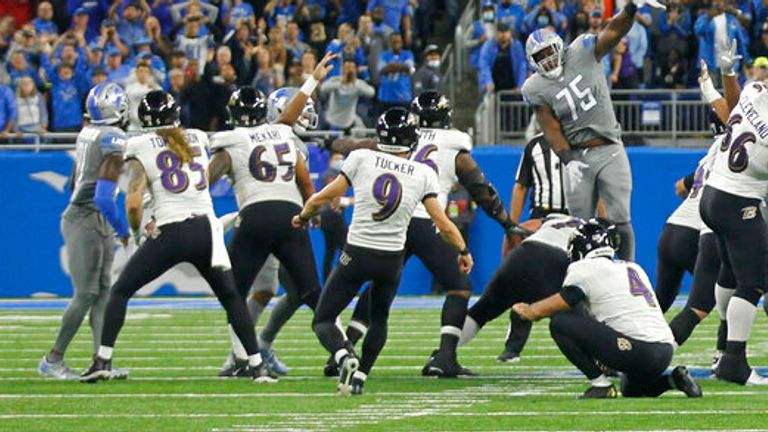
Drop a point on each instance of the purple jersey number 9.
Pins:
(388, 192)
(173, 177)
(638, 288)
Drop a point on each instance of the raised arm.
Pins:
(619, 26)
(295, 106)
(334, 189)
(449, 232)
(712, 96)
(134, 205)
(303, 181)
(221, 164)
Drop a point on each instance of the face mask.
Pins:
(543, 20)
(336, 165)
(434, 64)
(488, 16)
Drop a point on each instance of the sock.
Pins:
(469, 331)
(255, 309)
(264, 344)
(238, 350)
(682, 325)
(722, 335)
(601, 381)
(339, 355)
(355, 331)
(360, 375)
(105, 352)
(741, 315)
(723, 297)
(254, 360)
(452, 320)
(282, 311)
(54, 356)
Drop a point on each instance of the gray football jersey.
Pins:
(580, 98)
(93, 144)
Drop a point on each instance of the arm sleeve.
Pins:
(525, 168)
(105, 202)
(572, 295)
(688, 180)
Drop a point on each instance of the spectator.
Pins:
(759, 47)
(760, 69)
(115, 69)
(7, 30)
(143, 50)
(674, 29)
(672, 73)
(95, 57)
(546, 15)
(280, 12)
(624, 70)
(177, 85)
(136, 91)
(395, 67)
(81, 25)
(159, 43)
(277, 51)
(313, 24)
(223, 56)
(207, 13)
(715, 28)
(579, 27)
(7, 111)
(293, 44)
(32, 113)
(637, 44)
(502, 62)
(508, 12)
(428, 76)
(760, 16)
(344, 92)
(44, 26)
(482, 30)
(65, 100)
(197, 95)
(350, 11)
(595, 23)
(97, 77)
(332, 221)
(26, 41)
(19, 68)
(397, 16)
(266, 79)
(131, 26)
(373, 43)
(240, 12)
(347, 45)
(110, 39)
(379, 25)
(295, 78)
(194, 46)
(308, 64)
(95, 9)
(221, 90)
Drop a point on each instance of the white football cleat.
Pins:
(755, 379)
(57, 370)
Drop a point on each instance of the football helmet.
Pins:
(277, 101)
(158, 109)
(397, 130)
(433, 109)
(107, 104)
(544, 52)
(594, 238)
(247, 107)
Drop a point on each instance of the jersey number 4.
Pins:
(173, 177)
(572, 92)
(638, 288)
(264, 171)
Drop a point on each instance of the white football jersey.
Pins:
(555, 231)
(263, 163)
(387, 190)
(179, 191)
(741, 165)
(438, 149)
(620, 295)
(687, 213)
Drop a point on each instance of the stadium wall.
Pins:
(34, 193)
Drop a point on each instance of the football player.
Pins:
(446, 151)
(387, 187)
(172, 162)
(570, 97)
(624, 330)
(90, 222)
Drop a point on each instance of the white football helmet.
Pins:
(107, 104)
(277, 101)
(544, 52)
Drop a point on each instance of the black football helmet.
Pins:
(397, 130)
(158, 109)
(716, 126)
(247, 107)
(596, 236)
(433, 109)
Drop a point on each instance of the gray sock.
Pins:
(255, 308)
(282, 311)
(627, 247)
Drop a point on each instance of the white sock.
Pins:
(469, 331)
(741, 315)
(723, 296)
(340, 354)
(237, 347)
(601, 381)
(254, 360)
(360, 375)
(357, 325)
(450, 330)
(264, 344)
(105, 352)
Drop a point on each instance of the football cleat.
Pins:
(58, 370)
(119, 374)
(358, 381)
(508, 356)
(273, 361)
(262, 373)
(442, 367)
(716, 360)
(600, 393)
(238, 368)
(349, 366)
(733, 368)
(683, 381)
(100, 369)
(756, 379)
(331, 368)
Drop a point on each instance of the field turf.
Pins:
(174, 354)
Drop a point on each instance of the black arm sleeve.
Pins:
(572, 295)
(525, 168)
(483, 193)
(688, 180)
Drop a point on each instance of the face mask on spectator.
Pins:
(489, 16)
(434, 64)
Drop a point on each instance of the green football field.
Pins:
(174, 354)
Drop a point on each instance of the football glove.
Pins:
(575, 171)
(730, 58)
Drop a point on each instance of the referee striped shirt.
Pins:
(541, 172)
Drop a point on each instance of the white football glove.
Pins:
(704, 74)
(652, 3)
(729, 58)
(575, 171)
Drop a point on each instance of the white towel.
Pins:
(219, 256)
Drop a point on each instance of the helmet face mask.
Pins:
(544, 51)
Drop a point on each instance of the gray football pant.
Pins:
(285, 306)
(607, 176)
(89, 257)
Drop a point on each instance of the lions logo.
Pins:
(624, 345)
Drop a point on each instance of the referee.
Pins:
(539, 172)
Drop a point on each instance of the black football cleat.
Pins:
(444, 366)
(684, 382)
(358, 381)
(100, 370)
(349, 365)
(331, 368)
(262, 373)
(733, 368)
(237, 369)
(600, 393)
(508, 356)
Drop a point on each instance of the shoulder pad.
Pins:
(113, 141)
(587, 40)
(134, 146)
(225, 139)
(200, 136)
(462, 141)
